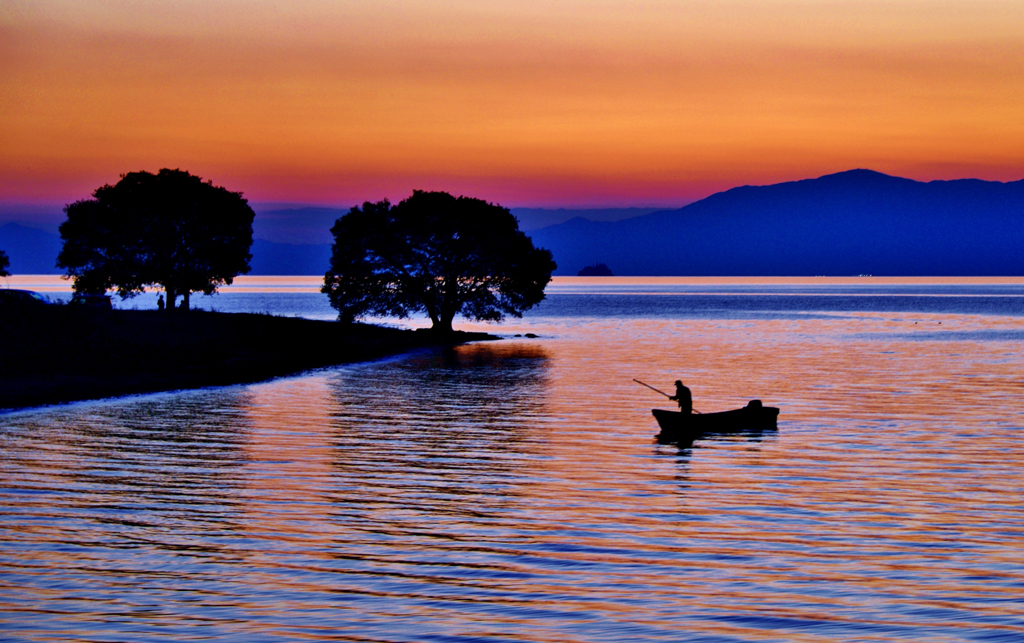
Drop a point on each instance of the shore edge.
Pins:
(60, 355)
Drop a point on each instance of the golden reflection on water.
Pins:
(890, 486)
(514, 490)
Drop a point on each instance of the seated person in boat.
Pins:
(683, 397)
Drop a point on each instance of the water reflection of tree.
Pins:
(135, 511)
(441, 433)
(159, 468)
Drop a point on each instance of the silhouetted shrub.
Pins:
(170, 229)
(437, 254)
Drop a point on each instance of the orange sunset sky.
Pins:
(527, 103)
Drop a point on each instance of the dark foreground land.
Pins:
(63, 354)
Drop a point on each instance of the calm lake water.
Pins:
(513, 490)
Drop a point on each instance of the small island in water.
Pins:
(596, 270)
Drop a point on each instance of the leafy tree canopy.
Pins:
(437, 254)
(4, 264)
(169, 229)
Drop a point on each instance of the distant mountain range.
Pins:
(851, 223)
(304, 224)
(32, 251)
(302, 237)
(531, 219)
(269, 258)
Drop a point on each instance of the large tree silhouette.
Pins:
(437, 254)
(4, 264)
(171, 229)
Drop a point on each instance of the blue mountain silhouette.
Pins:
(850, 223)
(32, 251)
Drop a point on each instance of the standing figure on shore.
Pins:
(160, 302)
(683, 397)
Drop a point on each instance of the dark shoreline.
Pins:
(59, 354)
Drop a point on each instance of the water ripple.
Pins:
(513, 491)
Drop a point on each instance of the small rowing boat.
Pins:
(752, 417)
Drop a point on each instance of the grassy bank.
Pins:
(63, 354)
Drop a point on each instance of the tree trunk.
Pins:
(435, 319)
(440, 319)
(184, 299)
(442, 324)
(171, 296)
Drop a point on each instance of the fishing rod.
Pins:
(662, 392)
(652, 388)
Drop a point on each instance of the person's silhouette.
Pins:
(683, 397)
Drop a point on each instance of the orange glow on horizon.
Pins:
(520, 103)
